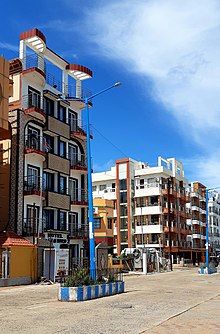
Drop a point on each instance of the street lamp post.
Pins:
(207, 230)
(86, 100)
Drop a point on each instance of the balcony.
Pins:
(78, 162)
(151, 189)
(34, 68)
(77, 231)
(57, 164)
(148, 210)
(29, 229)
(33, 106)
(35, 146)
(148, 229)
(57, 127)
(57, 200)
(33, 186)
(79, 197)
(57, 86)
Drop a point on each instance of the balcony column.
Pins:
(78, 89)
(40, 61)
(65, 83)
(22, 54)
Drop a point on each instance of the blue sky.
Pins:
(167, 56)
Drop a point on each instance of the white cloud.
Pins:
(204, 169)
(8, 46)
(175, 44)
(106, 166)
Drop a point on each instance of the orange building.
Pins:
(104, 222)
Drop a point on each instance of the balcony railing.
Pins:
(35, 142)
(33, 184)
(28, 228)
(35, 61)
(78, 231)
(78, 160)
(78, 196)
(67, 90)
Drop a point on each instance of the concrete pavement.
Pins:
(177, 302)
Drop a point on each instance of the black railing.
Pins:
(78, 195)
(28, 228)
(78, 231)
(36, 142)
(33, 183)
(78, 160)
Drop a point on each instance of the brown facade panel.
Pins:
(57, 164)
(58, 127)
(58, 201)
(4, 92)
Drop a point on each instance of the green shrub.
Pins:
(79, 278)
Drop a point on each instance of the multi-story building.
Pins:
(197, 208)
(104, 222)
(5, 143)
(214, 221)
(118, 185)
(49, 167)
(150, 205)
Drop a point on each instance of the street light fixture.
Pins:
(86, 100)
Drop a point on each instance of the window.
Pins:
(73, 154)
(124, 236)
(109, 223)
(123, 223)
(141, 183)
(62, 185)
(62, 113)
(33, 138)
(102, 187)
(49, 106)
(48, 220)
(94, 188)
(32, 182)
(73, 121)
(48, 181)
(61, 224)
(62, 149)
(123, 210)
(97, 222)
(49, 143)
(34, 98)
(73, 189)
(73, 224)
(123, 197)
(123, 184)
(29, 227)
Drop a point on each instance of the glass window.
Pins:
(123, 210)
(62, 113)
(48, 181)
(97, 223)
(93, 188)
(48, 220)
(123, 184)
(62, 185)
(61, 221)
(49, 143)
(34, 98)
(49, 106)
(62, 149)
(123, 197)
(123, 223)
(102, 187)
(110, 223)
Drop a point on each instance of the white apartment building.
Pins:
(214, 221)
(150, 205)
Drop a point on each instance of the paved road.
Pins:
(178, 302)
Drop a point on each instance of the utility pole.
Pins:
(169, 222)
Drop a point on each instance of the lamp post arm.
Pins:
(102, 91)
